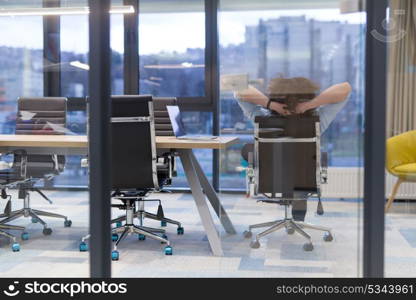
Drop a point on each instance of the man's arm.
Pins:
(335, 94)
(254, 96)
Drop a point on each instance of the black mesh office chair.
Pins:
(165, 165)
(35, 116)
(134, 170)
(287, 168)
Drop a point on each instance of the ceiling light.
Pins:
(58, 11)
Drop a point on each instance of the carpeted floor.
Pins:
(280, 254)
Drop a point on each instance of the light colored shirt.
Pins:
(327, 113)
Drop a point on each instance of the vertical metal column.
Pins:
(51, 52)
(131, 49)
(212, 78)
(51, 59)
(375, 141)
(99, 138)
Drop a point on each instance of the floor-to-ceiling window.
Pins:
(400, 226)
(172, 63)
(320, 43)
(21, 64)
(264, 42)
(74, 79)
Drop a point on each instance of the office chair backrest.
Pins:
(133, 143)
(42, 116)
(162, 121)
(286, 167)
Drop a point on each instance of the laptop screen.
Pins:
(176, 120)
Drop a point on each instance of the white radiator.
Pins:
(349, 183)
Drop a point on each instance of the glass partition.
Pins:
(40, 224)
(172, 64)
(308, 59)
(74, 79)
(400, 161)
(43, 89)
(172, 47)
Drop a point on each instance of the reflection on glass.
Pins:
(302, 55)
(320, 44)
(401, 136)
(21, 65)
(172, 49)
(74, 82)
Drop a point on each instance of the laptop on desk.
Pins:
(179, 128)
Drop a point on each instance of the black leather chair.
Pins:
(134, 170)
(288, 170)
(35, 116)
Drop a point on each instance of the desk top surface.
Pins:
(81, 141)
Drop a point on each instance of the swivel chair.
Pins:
(35, 116)
(134, 169)
(165, 165)
(287, 168)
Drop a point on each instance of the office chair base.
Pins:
(141, 232)
(291, 227)
(141, 215)
(35, 215)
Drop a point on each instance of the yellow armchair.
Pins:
(401, 160)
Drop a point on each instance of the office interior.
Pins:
(199, 55)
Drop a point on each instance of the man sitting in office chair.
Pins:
(294, 96)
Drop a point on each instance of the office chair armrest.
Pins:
(23, 162)
(4, 165)
(17, 151)
(168, 158)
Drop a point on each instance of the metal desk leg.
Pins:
(200, 201)
(213, 198)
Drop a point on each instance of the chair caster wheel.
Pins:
(114, 237)
(47, 231)
(163, 223)
(247, 234)
(118, 224)
(328, 237)
(25, 236)
(308, 247)
(255, 244)
(115, 255)
(35, 220)
(16, 247)
(168, 250)
(68, 223)
(141, 237)
(180, 231)
(83, 247)
(290, 230)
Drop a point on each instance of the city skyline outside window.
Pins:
(165, 57)
(21, 65)
(172, 52)
(322, 45)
